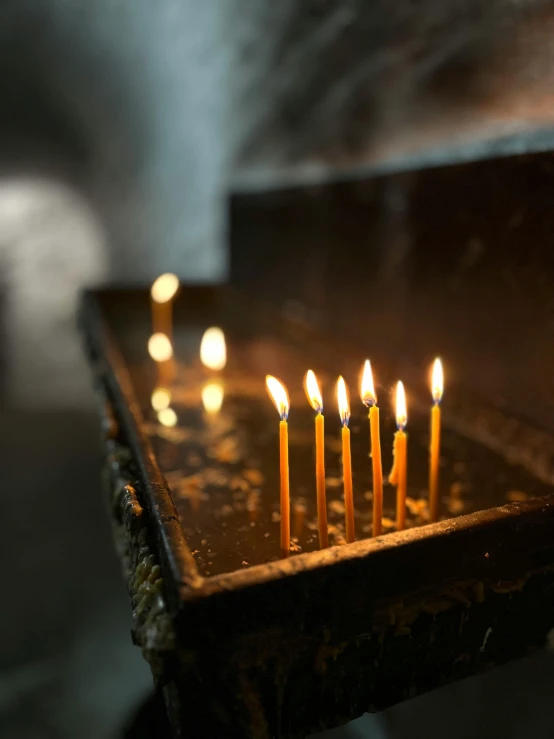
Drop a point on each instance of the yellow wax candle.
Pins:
(344, 412)
(285, 494)
(320, 481)
(316, 401)
(369, 398)
(437, 384)
(377, 471)
(399, 472)
(161, 351)
(162, 293)
(280, 397)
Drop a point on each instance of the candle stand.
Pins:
(244, 643)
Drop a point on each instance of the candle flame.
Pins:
(313, 393)
(164, 288)
(159, 347)
(213, 351)
(161, 398)
(212, 397)
(437, 381)
(279, 396)
(369, 396)
(401, 411)
(342, 398)
(167, 417)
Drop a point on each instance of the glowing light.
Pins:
(159, 347)
(344, 404)
(279, 395)
(368, 394)
(161, 399)
(212, 397)
(164, 288)
(401, 411)
(167, 417)
(313, 393)
(437, 380)
(213, 351)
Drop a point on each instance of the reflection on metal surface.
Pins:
(167, 417)
(161, 398)
(212, 397)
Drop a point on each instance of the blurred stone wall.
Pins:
(143, 116)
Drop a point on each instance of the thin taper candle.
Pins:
(285, 493)
(369, 398)
(399, 472)
(314, 396)
(162, 293)
(280, 397)
(344, 412)
(437, 384)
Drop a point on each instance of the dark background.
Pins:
(125, 128)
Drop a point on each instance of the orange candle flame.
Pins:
(159, 347)
(367, 392)
(213, 350)
(437, 381)
(344, 404)
(313, 392)
(401, 411)
(279, 395)
(167, 417)
(164, 288)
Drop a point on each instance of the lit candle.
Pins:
(161, 351)
(213, 349)
(399, 472)
(369, 398)
(344, 413)
(316, 401)
(280, 397)
(437, 385)
(163, 290)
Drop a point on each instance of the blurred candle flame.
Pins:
(437, 381)
(212, 397)
(313, 393)
(213, 351)
(342, 398)
(164, 288)
(278, 394)
(161, 398)
(159, 347)
(401, 411)
(167, 417)
(368, 394)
